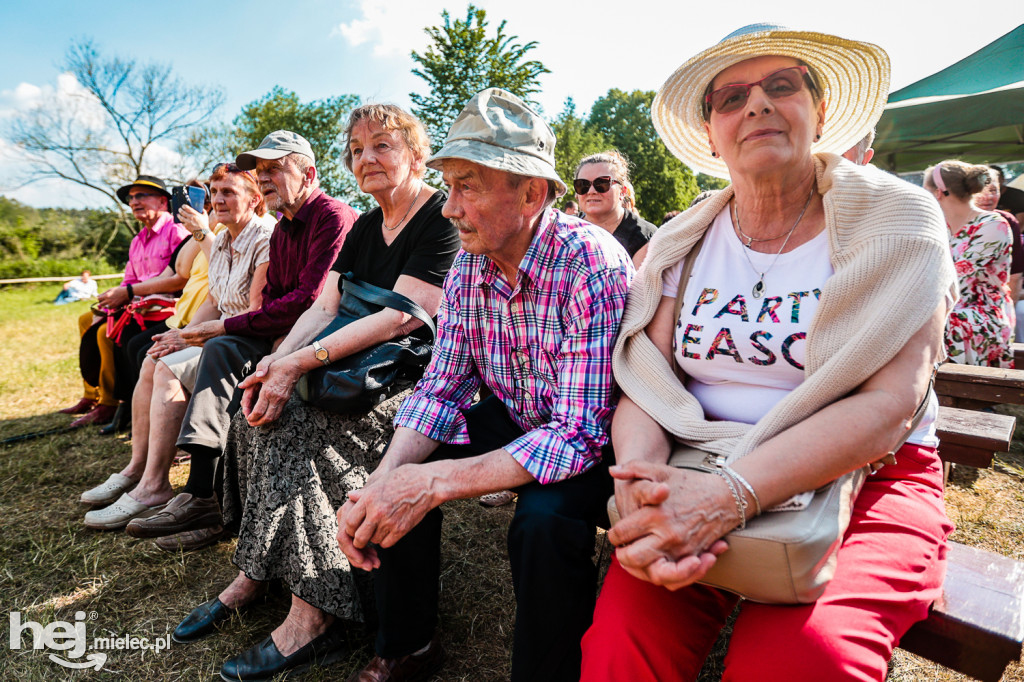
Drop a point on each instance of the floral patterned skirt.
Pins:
(978, 336)
(284, 482)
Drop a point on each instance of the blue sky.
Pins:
(320, 48)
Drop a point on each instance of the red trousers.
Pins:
(890, 570)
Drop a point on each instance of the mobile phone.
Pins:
(187, 195)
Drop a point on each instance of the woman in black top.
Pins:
(291, 477)
(605, 195)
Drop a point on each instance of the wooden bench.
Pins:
(972, 387)
(970, 437)
(977, 626)
(1018, 355)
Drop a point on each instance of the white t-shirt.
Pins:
(742, 354)
(80, 290)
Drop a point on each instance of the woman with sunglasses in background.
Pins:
(605, 196)
(980, 327)
(814, 293)
(230, 285)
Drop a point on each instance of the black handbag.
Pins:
(361, 380)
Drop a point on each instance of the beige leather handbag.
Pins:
(784, 557)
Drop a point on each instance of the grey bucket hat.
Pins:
(498, 130)
(276, 145)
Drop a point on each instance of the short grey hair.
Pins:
(303, 163)
(864, 145)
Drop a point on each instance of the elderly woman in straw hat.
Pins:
(811, 319)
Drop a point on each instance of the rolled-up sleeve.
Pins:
(450, 380)
(570, 442)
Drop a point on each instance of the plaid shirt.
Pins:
(543, 347)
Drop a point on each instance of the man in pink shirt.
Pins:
(150, 252)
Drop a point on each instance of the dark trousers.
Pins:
(129, 354)
(225, 361)
(550, 547)
(89, 361)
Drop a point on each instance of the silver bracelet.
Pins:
(750, 489)
(741, 503)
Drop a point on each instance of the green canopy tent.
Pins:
(972, 110)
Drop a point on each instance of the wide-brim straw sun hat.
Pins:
(498, 130)
(853, 77)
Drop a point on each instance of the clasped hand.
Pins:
(383, 511)
(198, 334)
(268, 389)
(166, 343)
(673, 522)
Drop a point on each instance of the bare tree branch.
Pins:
(105, 130)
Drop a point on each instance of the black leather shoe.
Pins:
(122, 420)
(265, 662)
(201, 622)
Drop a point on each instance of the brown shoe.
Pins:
(81, 407)
(411, 668)
(184, 512)
(191, 539)
(101, 414)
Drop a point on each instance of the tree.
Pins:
(321, 122)
(661, 180)
(463, 60)
(118, 120)
(706, 182)
(574, 140)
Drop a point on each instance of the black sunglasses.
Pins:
(601, 184)
(776, 85)
(141, 195)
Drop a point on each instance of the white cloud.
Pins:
(393, 28)
(607, 44)
(67, 99)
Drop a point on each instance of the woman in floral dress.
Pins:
(980, 326)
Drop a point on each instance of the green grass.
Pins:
(51, 566)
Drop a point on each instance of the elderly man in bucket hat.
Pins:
(530, 311)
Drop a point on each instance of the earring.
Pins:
(817, 137)
(714, 154)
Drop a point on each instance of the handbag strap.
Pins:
(684, 278)
(386, 298)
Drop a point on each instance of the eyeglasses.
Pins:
(601, 184)
(776, 85)
(141, 195)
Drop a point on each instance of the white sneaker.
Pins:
(118, 515)
(108, 491)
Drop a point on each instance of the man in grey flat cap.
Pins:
(303, 247)
(530, 310)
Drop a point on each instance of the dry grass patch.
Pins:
(51, 566)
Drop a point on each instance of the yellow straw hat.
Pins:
(853, 76)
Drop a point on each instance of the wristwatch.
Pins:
(199, 235)
(321, 353)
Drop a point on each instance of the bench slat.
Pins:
(987, 384)
(978, 429)
(977, 627)
(1018, 354)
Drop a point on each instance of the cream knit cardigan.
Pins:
(890, 252)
